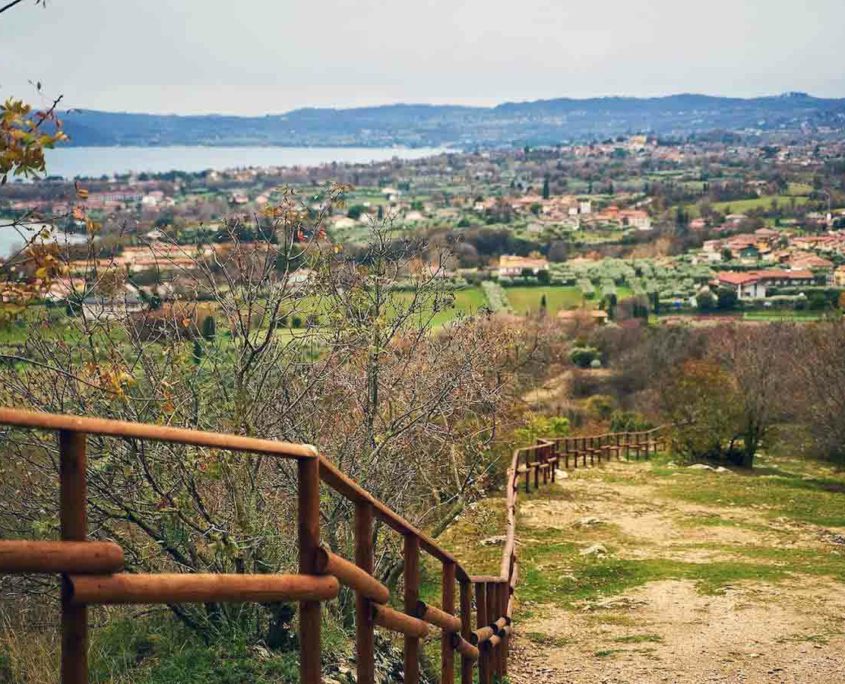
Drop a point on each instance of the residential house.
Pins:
(747, 246)
(126, 300)
(391, 195)
(767, 236)
(735, 219)
(64, 288)
(811, 262)
(344, 222)
(711, 250)
(753, 284)
(636, 218)
(609, 214)
(511, 266)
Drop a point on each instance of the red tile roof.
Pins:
(739, 278)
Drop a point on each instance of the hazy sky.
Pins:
(258, 56)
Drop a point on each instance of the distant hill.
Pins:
(512, 123)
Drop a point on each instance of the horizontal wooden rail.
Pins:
(499, 624)
(466, 649)
(434, 616)
(154, 433)
(60, 556)
(332, 476)
(190, 588)
(351, 576)
(91, 570)
(482, 634)
(488, 579)
(399, 622)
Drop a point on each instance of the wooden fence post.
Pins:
(481, 620)
(504, 595)
(364, 636)
(447, 655)
(309, 543)
(492, 616)
(74, 524)
(466, 629)
(527, 475)
(412, 595)
(544, 459)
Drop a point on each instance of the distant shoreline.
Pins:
(94, 161)
(446, 148)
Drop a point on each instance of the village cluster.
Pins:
(685, 227)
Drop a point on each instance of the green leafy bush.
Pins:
(537, 426)
(584, 356)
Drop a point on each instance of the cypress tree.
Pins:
(209, 328)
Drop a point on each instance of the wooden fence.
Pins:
(92, 571)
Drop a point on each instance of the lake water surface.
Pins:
(70, 162)
(12, 240)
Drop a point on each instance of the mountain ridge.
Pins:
(546, 121)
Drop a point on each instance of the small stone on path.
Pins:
(594, 550)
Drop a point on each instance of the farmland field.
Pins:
(467, 302)
(526, 300)
(742, 206)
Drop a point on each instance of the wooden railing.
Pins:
(92, 571)
(567, 452)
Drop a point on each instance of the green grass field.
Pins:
(799, 189)
(623, 292)
(746, 205)
(743, 206)
(467, 302)
(526, 300)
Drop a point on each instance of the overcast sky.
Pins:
(259, 56)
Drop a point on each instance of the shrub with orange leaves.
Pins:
(24, 135)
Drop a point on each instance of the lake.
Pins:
(12, 240)
(70, 162)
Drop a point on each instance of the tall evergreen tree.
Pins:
(209, 328)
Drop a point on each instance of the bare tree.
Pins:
(757, 357)
(409, 411)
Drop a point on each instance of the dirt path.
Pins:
(769, 628)
(555, 389)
